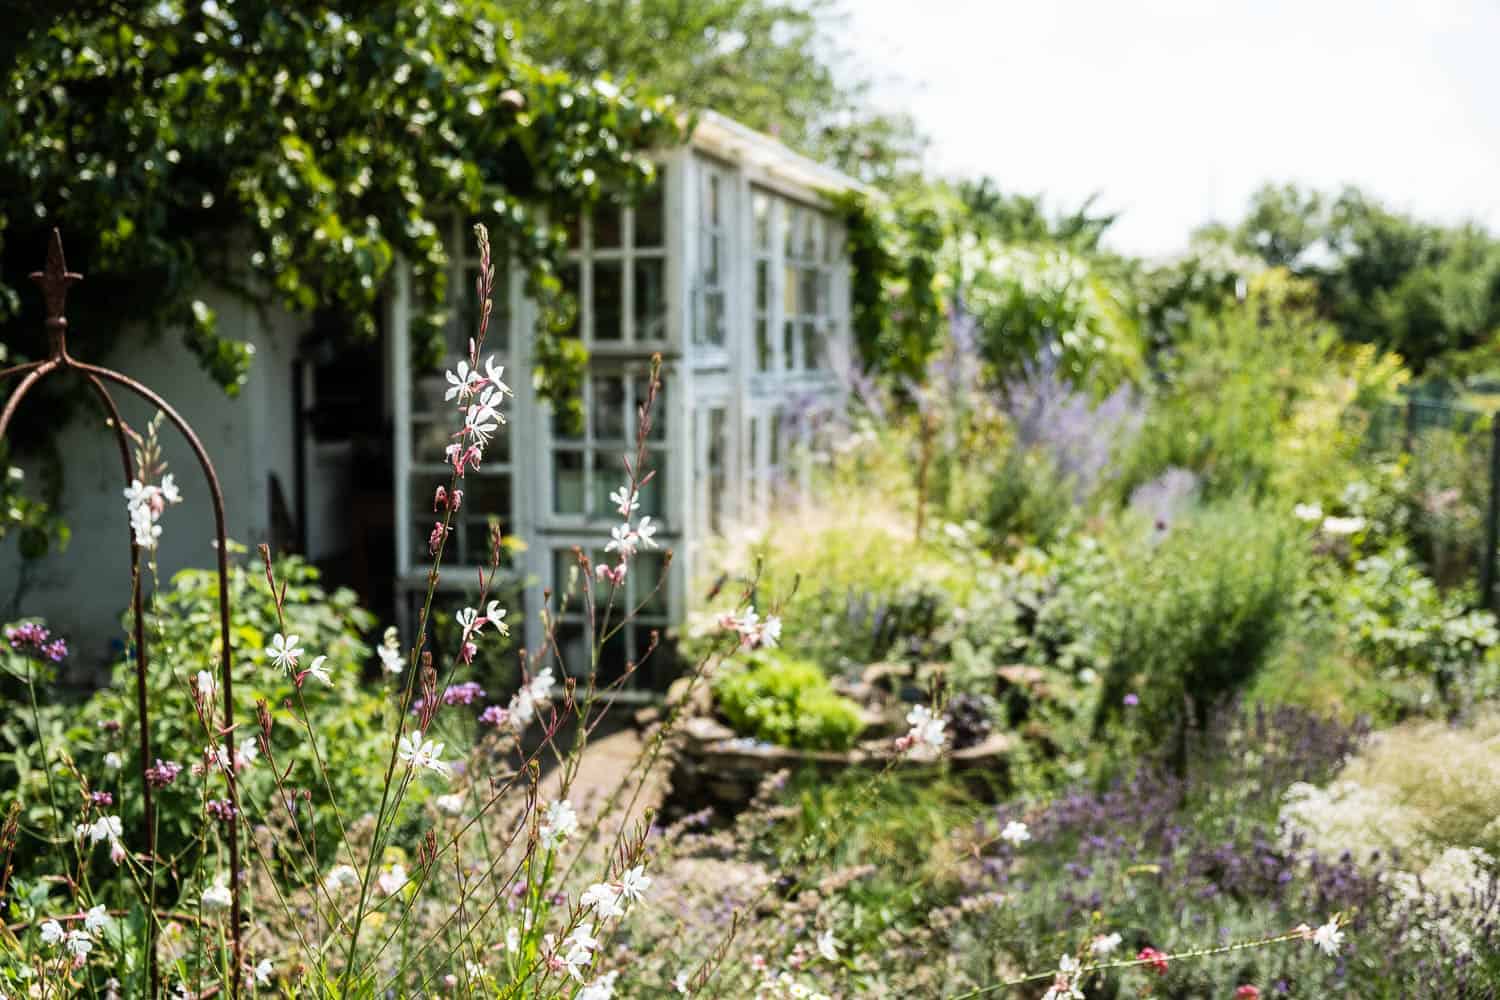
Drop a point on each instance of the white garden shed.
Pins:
(733, 268)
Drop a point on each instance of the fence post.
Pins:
(1492, 520)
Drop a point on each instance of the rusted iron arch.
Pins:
(54, 282)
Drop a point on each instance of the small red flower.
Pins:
(1157, 960)
(1247, 992)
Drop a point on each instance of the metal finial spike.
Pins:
(56, 278)
(55, 281)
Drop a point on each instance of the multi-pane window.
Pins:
(795, 252)
(711, 455)
(807, 282)
(645, 588)
(617, 271)
(487, 490)
(588, 460)
(713, 244)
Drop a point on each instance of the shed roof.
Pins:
(722, 136)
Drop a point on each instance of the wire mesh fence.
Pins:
(1451, 456)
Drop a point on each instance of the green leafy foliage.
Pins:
(1229, 395)
(789, 702)
(1191, 617)
(1425, 291)
(183, 639)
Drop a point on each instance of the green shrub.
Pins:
(788, 702)
(182, 636)
(1192, 616)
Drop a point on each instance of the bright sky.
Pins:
(1174, 111)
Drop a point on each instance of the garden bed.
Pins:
(713, 767)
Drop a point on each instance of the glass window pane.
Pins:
(711, 211)
(649, 588)
(573, 225)
(608, 299)
(825, 295)
(650, 298)
(486, 496)
(762, 285)
(609, 417)
(608, 228)
(789, 345)
(812, 348)
(569, 277)
(760, 207)
(573, 646)
(807, 291)
(427, 391)
(789, 290)
(793, 222)
(713, 318)
(654, 494)
(429, 439)
(831, 247)
(609, 475)
(762, 345)
(650, 228)
(569, 482)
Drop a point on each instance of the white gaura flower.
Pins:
(144, 527)
(495, 615)
(540, 687)
(52, 932)
(462, 383)
(262, 972)
(622, 540)
(1308, 512)
(680, 983)
(602, 988)
(626, 500)
(169, 491)
(603, 899)
(316, 669)
(392, 880)
(97, 919)
(285, 651)
(389, 652)
(206, 684)
(1015, 834)
(468, 619)
(341, 877)
(417, 752)
(1329, 937)
(1343, 525)
(493, 375)
(450, 805)
(80, 944)
(634, 884)
(512, 940)
(926, 728)
(560, 824)
(217, 898)
(828, 946)
(1105, 944)
(646, 532)
(113, 761)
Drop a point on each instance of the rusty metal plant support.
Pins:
(54, 281)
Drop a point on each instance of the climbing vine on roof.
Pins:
(289, 152)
